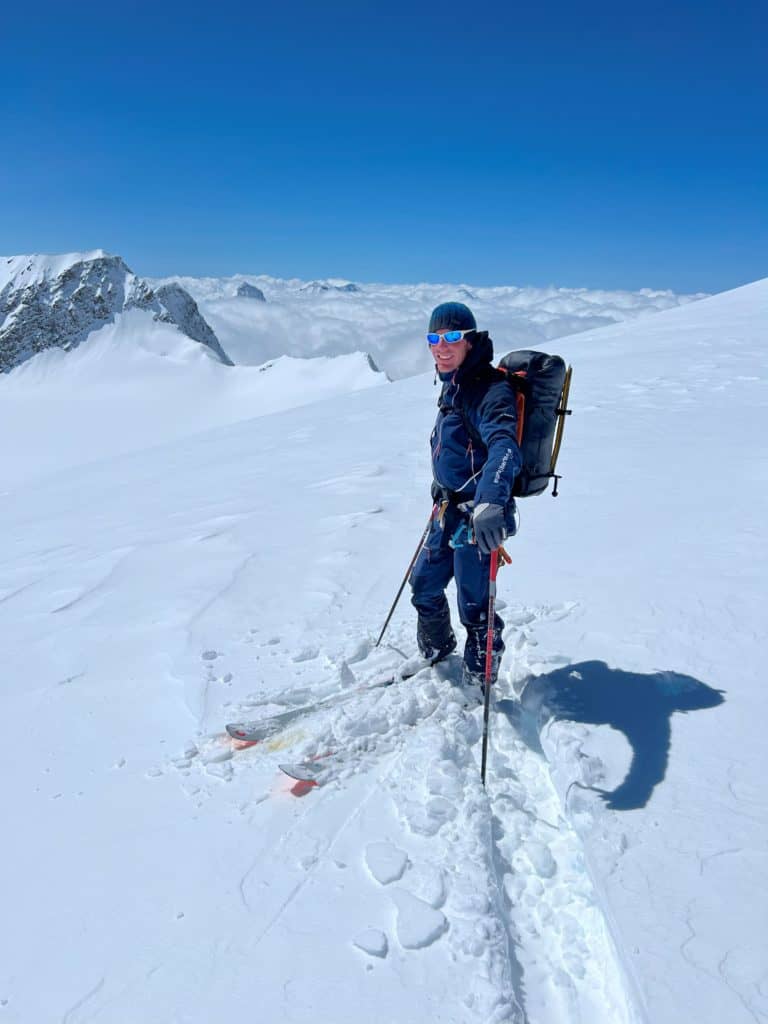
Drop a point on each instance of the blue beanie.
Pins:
(452, 316)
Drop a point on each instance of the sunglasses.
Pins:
(450, 336)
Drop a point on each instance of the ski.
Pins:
(313, 772)
(264, 728)
(323, 768)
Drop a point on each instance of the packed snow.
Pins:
(187, 544)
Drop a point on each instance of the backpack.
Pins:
(542, 383)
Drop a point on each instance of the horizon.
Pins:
(571, 146)
(265, 275)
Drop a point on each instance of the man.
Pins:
(475, 458)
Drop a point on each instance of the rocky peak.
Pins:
(320, 287)
(178, 307)
(250, 291)
(57, 301)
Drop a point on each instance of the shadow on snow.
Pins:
(640, 706)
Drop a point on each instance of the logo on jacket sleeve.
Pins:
(502, 466)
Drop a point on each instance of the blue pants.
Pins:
(435, 567)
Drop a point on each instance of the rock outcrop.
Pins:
(250, 291)
(181, 309)
(319, 287)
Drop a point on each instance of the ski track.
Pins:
(314, 861)
(68, 1016)
(497, 876)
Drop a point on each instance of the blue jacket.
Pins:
(474, 442)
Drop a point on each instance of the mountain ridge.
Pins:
(57, 301)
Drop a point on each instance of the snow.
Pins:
(143, 383)
(373, 942)
(31, 269)
(187, 544)
(418, 925)
(385, 862)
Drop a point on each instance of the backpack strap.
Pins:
(517, 379)
(493, 374)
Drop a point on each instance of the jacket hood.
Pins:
(481, 353)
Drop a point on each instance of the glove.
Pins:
(490, 526)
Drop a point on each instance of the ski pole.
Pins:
(416, 554)
(489, 655)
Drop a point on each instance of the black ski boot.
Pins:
(435, 637)
(473, 673)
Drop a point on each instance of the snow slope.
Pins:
(136, 383)
(330, 317)
(615, 869)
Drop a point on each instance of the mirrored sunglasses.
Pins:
(450, 336)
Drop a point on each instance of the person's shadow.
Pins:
(640, 706)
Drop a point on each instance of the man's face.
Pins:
(449, 357)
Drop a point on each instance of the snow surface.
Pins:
(162, 575)
(138, 382)
(303, 318)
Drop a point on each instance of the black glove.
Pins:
(490, 526)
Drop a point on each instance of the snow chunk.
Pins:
(305, 654)
(216, 755)
(418, 924)
(373, 942)
(427, 882)
(541, 859)
(385, 862)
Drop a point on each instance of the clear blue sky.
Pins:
(603, 145)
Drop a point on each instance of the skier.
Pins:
(475, 458)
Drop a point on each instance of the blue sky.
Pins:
(595, 145)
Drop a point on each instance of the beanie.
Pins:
(452, 316)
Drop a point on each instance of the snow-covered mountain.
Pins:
(58, 301)
(614, 869)
(329, 317)
(136, 383)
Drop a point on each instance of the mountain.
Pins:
(250, 291)
(58, 301)
(335, 316)
(323, 287)
(612, 872)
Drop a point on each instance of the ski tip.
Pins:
(242, 744)
(237, 732)
(300, 789)
(300, 772)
